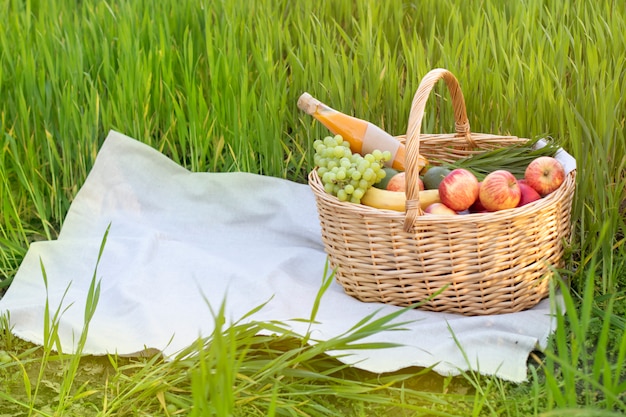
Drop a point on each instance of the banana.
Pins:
(396, 200)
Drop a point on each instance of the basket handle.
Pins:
(412, 143)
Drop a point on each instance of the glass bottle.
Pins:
(363, 136)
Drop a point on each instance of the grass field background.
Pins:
(214, 85)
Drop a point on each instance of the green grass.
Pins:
(214, 86)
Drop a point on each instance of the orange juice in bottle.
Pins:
(363, 136)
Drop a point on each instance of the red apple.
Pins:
(459, 189)
(529, 194)
(439, 208)
(499, 191)
(478, 207)
(398, 182)
(545, 174)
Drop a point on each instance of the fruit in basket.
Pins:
(389, 174)
(344, 174)
(440, 209)
(545, 174)
(459, 189)
(398, 183)
(528, 193)
(499, 191)
(395, 200)
(433, 177)
(477, 207)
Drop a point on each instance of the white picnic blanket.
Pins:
(178, 240)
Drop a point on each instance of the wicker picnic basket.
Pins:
(476, 264)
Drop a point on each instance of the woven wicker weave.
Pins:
(484, 263)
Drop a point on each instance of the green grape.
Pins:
(344, 174)
(368, 175)
(318, 145)
(330, 141)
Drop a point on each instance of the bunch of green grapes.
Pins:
(344, 174)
